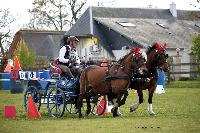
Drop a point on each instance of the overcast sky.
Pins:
(19, 7)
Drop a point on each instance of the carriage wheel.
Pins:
(70, 105)
(70, 108)
(36, 96)
(56, 102)
(98, 107)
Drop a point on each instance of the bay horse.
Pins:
(113, 80)
(156, 59)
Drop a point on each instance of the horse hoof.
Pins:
(112, 110)
(80, 116)
(132, 109)
(119, 113)
(152, 114)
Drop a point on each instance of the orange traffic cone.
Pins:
(105, 62)
(32, 110)
(101, 106)
(16, 64)
(9, 112)
(8, 68)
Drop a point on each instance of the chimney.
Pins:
(173, 9)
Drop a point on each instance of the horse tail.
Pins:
(83, 81)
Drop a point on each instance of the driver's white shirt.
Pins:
(73, 55)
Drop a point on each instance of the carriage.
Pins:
(59, 93)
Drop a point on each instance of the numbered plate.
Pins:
(22, 75)
(14, 75)
(32, 75)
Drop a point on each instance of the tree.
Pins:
(55, 14)
(27, 57)
(75, 9)
(195, 4)
(196, 50)
(106, 3)
(196, 46)
(5, 20)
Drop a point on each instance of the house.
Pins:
(108, 32)
(43, 43)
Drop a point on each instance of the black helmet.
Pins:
(72, 38)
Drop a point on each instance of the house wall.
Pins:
(90, 49)
(184, 56)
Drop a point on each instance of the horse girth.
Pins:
(107, 79)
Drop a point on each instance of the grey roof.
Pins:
(114, 36)
(82, 25)
(145, 13)
(176, 33)
(44, 43)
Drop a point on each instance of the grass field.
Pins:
(177, 111)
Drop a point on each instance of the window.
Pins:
(126, 24)
(162, 25)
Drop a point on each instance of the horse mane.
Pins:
(151, 48)
(122, 59)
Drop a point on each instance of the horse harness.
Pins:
(107, 79)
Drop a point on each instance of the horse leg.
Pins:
(125, 95)
(150, 109)
(80, 104)
(136, 105)
(114, 102)
(120, 101)
(114, 110)
(88, 105)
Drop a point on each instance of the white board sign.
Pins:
(32, 75)
(22, 75)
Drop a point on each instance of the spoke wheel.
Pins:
(70, 104)
(34, 92)
(56, 102)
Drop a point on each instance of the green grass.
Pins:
(177, 111)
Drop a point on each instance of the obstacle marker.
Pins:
(17, 66)
(32, 110)
(101, 106)
(160, 82)
(9, 112)
(8, 68)
(159, 89)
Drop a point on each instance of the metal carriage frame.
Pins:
(59, 96)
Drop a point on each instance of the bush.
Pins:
(184, 79)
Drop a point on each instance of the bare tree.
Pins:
(196, 4)
(106, 3)
(76, 8)
(55, 14)
(5, 38)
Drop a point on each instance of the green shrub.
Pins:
(184, 79)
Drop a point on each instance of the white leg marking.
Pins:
(150, 109)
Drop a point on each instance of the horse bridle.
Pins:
(136, 70)
(159, 55)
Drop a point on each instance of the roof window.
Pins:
(126, 24)
(162, 25)
(197, 25)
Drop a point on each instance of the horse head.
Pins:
(157, 57)
(134, 62)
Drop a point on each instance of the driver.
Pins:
(68, 59)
